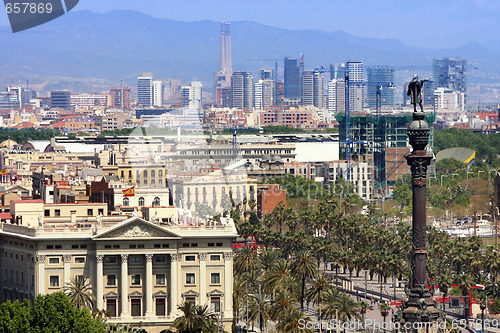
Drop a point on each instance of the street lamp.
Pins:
(454, 174)
(246, 295)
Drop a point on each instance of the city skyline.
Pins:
(440, 23)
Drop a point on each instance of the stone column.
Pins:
(173, 283)
(124, 287)
(100, 282)
(40, 259)
(203, 278)
(67, 268)
(228, 284)
(148, 300)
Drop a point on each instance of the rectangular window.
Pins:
(215, 278)
(157, 246)
(111, 280)
(135, 307)
(79, 260)
(190, 278)
(136, 279)
(100, 211)
(58, 247)
(110, 260)
(215, 304)
(83, 246)
(211, 244)
(47, 212)
(185, 244)
(135, 259)
(160, 259)
(194, 244)
(74, 246)
(160, 279)
(191, 300)
(190, 258)
(215, 257)
(160, 307)
(53, 260)
(219, 244)
(54, 281)
(111, 307)
(90, 212)
(57, 212)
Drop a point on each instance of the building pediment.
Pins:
(136, 227)
(191, 293)
(215, 292)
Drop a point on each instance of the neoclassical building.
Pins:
(140, 270)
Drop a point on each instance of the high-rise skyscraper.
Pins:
(263, 94)
(293, 73)
(355, 83)
(149, 90)
(380, 78)
(336, 96)
(266, 74)
(450, 73)
(191, 95)
(144, 91)
(312, 88)
(222, 78)
(242, 90)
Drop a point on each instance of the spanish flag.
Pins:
(3, 172)
(130, 192)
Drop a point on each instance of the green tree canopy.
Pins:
(52, 313)
(448, 165)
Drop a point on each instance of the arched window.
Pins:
(160, 173)
(156, 202)
(153, 174)
(141, 201)
(126, 202)
(145, 173)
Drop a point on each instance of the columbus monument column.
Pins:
(419, 313)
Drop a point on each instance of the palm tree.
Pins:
(347, 307)
(259, 310)
(239, 290)
(304, 267)
(318, 290)
(267, 259)
(80, 292)
(384, 310)
(188, 321)
(274, 278)
(245, 260)
(195, 319)
(293, 321)
(444, 281)
(330, 304)
(284, 300)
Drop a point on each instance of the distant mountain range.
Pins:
(83, 45)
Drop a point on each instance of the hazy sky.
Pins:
(425, 23)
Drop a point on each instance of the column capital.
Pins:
(202, 256)
(124, 257)
(99, 258)
(228, 255)
(175, 257)
(67, 258)
(149, 257)
(40, 259)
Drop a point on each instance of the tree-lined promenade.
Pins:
(286, 274)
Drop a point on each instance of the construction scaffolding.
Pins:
(382, 142)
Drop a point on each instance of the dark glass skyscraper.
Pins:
(380, 78)
(450, 73)
(293, 72)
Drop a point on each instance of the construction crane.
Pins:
(235, 134)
